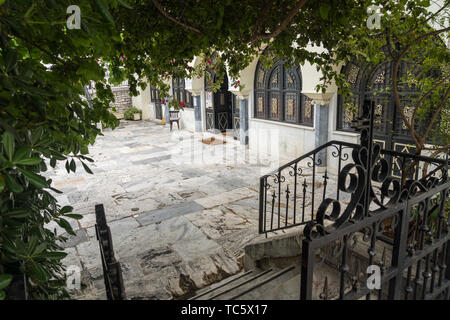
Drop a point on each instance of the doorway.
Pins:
(218, 107)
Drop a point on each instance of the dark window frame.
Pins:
(265, 91)
(179, 90)
(366, 85)
(154, 94)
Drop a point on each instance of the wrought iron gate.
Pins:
(218, 106)
(397, 222)
(112, 271)
(236, 117)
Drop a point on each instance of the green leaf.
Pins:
(2, 293)
(2, 2)
(105, 11)
(66, 226)
(56, 190)
(12, 184)
(73, 166)
(21, 153)
(84, 149)
(86, 168)
(58, 155)
(66, 209)
(88, 159)
(18, 213)
(5, 280)
(36, 134)
(53, 255)
(74, 216)
(35, 179)
(125, 4)
(29, 161)
(38, 272)
(41, 247)
(10, 59)
(9, 144)
(324, 10)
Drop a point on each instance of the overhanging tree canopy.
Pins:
(44, 66)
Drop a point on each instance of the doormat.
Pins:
(213, 141)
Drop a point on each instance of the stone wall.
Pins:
(122, 99)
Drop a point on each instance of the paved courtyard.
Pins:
(180, 210)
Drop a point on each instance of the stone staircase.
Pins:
(252, 285)
(272, 272)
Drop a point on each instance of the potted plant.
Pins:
(133, 113)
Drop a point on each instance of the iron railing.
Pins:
(289, 195)
(112, 271)
(387, 209)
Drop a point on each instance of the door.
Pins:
(389, 128)
(209, 110)
(157, 101)
(236, 117)
(218, 107)
(390, 132)
(222, 107)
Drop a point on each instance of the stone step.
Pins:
(218, 290)
(204, 293)
(250, 285)
(265, 288)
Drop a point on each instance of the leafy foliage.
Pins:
(44, 119)
(412, 34)
(162, 38)
(44, 66)
(129, 113)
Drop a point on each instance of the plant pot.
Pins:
(137, 116)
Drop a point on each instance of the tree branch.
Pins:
(417, 139)
(437, 12)
(440, 149)
(168, 16)
(57, 59)
(281, 27)
(389, 44)
(261, 15)
(416, 107)
(425, 35)
(398, 103)
(435, 153)
(436, 114)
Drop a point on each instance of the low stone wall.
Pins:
(284, 246)
(122, 99)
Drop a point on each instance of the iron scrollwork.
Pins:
(357, 179)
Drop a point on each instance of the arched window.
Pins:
(180, 93)
(278, 94)
(348, 108)
(375, 83)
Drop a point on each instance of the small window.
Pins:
(180, 93)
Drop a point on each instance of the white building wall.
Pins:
(142, 102)
(290, 141)
(286, 140)
(269, 138)
(152, 111)
(187, 119)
